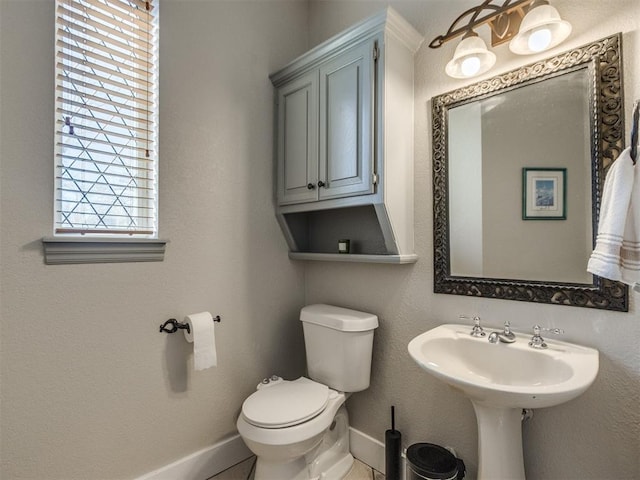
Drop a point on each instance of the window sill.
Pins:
(71, 250)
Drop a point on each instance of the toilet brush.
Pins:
(392, 445)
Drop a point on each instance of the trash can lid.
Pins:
(432, 461)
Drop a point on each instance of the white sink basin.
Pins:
(501, 379)
(505, 375)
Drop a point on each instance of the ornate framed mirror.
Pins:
(518, 167)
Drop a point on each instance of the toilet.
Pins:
(299, 429)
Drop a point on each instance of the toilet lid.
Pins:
(285, 403)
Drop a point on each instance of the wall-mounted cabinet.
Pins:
(345, 144)
(325, 129)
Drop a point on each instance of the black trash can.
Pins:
(426, 461)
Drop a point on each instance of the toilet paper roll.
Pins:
(202, 335)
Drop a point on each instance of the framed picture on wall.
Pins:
(544, 193)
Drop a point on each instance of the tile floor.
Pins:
(244, 471)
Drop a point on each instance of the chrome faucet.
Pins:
(506, 336)
(477, 330)
(537, 341)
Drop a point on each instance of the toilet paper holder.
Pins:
(172, 325)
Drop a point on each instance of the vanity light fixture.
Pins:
(471, 57)
(541, 29)
(531, 26)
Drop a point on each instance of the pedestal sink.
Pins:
(501, 379)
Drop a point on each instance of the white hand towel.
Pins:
(617, 252)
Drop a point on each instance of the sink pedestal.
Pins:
(499, 443)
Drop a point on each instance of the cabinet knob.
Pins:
(321, 184)
(310, 186)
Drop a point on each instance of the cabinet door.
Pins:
(346, 123)
(298, 140)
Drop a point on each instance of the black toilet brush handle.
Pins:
(392, 445)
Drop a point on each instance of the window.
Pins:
(106, 122)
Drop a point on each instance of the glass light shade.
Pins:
(471, 58)
(541, 29)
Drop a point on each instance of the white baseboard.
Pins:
(371, 451)
(204, 463)
(367, 449)
(232, 450)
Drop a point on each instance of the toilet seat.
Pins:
(285, 403)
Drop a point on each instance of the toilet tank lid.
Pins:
(338, 318)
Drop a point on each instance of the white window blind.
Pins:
(106, 122)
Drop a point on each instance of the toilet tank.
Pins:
(338, 343)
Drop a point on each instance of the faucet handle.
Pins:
(477, 330)
(537, 341)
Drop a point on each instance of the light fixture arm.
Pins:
(503, 19)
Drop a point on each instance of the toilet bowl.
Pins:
(287, 421)
(299, 429)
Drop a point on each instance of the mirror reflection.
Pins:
(520, 182)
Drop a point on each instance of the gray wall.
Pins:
(596, 436)
(90, 389)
